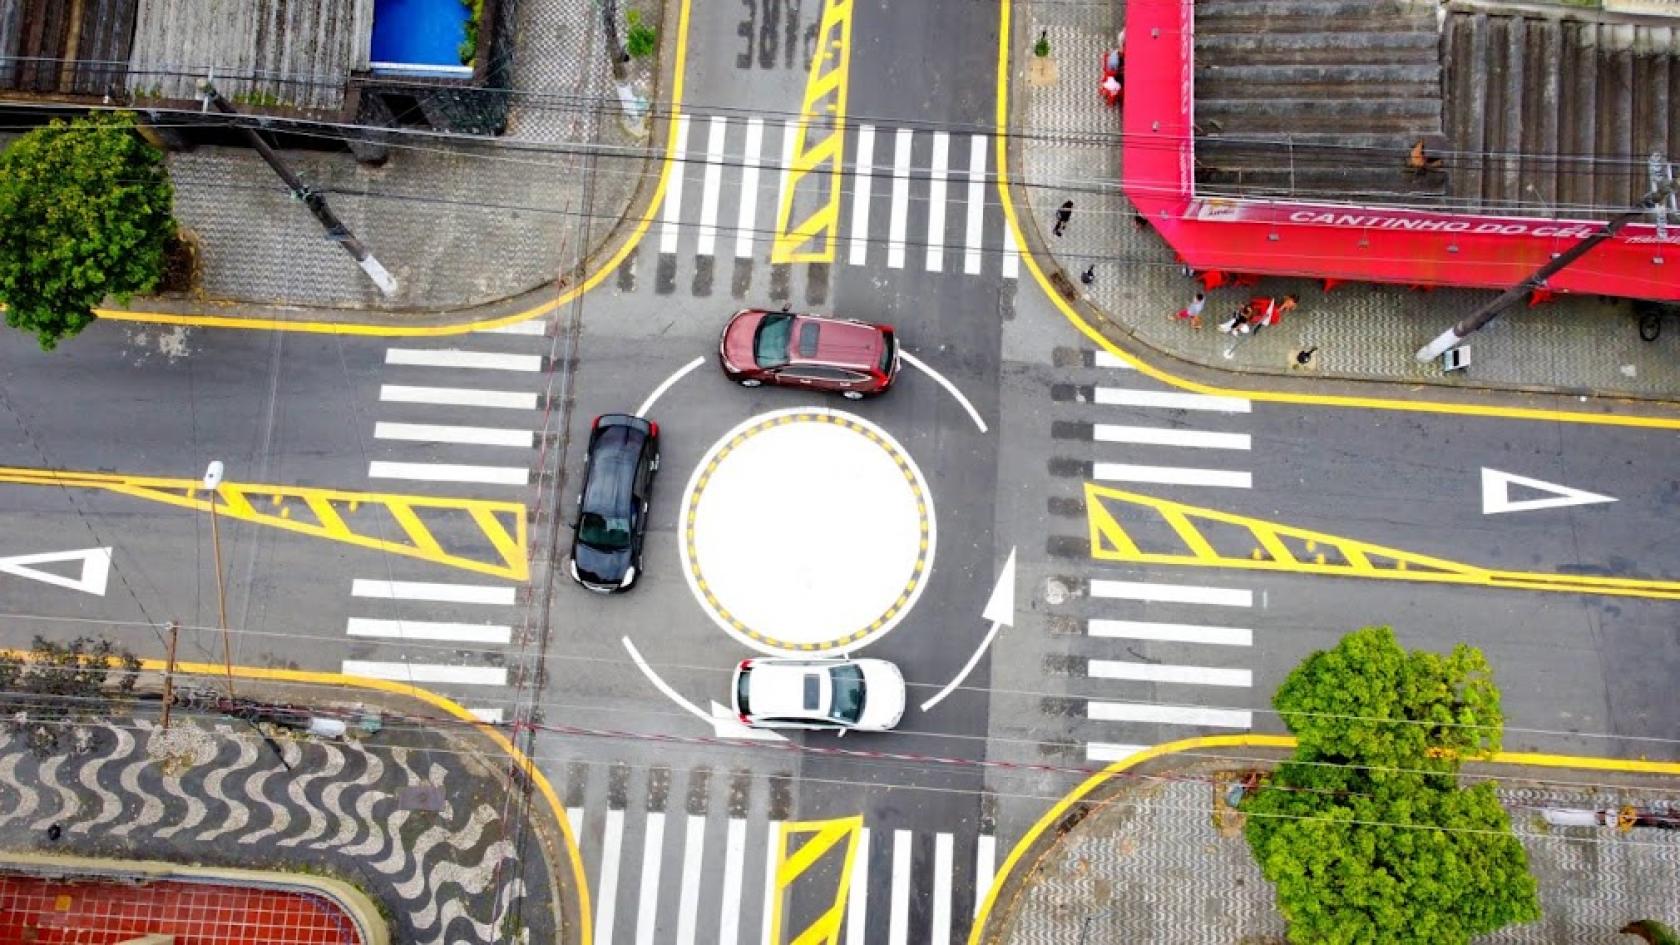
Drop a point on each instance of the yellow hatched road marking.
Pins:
(1270, 551)
(825, 103)
(328, 506)
(825, 835)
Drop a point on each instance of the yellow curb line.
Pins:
(1054, 814)
(1262, 396)
(437, 331)
(526, 764)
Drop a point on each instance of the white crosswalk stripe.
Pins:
(940, 167)
(898, 927)
(459, 358)
(427, 673)
(428, 630)
(446, 433)
(1170, 632)
(458, 397)
(748, 209)
(450, 472)
(864, 179)
(899, 218)
(710, 187)
(1173, 475)
(1172, 400)
(670, 221)
(974, 242)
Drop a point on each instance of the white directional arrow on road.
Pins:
(723, 722)
(1496, 494)
(96, 569)
(1000, 610)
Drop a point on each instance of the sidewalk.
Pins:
(1148, 864)
(1066, 145)
(459, 222)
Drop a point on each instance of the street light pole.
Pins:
(213, 482)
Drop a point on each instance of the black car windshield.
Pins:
(607, 534)
(847, 705)
(770, 341)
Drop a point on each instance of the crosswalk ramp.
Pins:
(704, 856)
(1157, 654)
(909, 199)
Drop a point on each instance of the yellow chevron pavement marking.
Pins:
(824, 835)
(1125, 526)
(818, 143)
(333, 514)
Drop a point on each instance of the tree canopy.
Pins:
(85, 213)
(1365, 831)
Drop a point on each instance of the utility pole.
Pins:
(1487, 313)
(313, 199)
(213, 482)
(169, 672)
(616, 53)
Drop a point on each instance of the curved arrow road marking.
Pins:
(916, 363)
(723, 725)
(1000, 610)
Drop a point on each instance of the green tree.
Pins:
(57, 686)
(1365, 831)
(85, 213)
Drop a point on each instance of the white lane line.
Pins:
(941, 167)
(1172, 475)
(1169, 673)
(790, 128)
(438, 433)
(492, 716)
(672, 211)
(1168, 714)
(1173, 593)
(606, 892)
(427, 672)
(1170, 632)
(985, 867)
(1165, 436)
(744, 220)
(976, 204)
(406, 630)
(772, 844)
(942, 844)
(1106, 359)
(662, 685)
(647, 903)
(665, 385)
(711, 184)
(899, 222)
(734, 852)
(459, 358)
(457, 397)
(443, 593)
(574, 817)
(450, 472)
(857, 899)
(1123, 397)
(1110, 751)
(916, 363)
(898, 919)
(1011, 253)
(863, 181)
(530, 326)
(694, 844)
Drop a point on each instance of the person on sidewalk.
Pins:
(1238, 323)
(1193, 311)
(1266, 312)
(1063, 215)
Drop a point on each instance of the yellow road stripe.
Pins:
(825, 836)
(825, 101)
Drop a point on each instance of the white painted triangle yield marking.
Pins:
(96, 569)
(1496, 494)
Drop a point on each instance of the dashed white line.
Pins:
(985, 867)
(898, 224)
(606, 892)
(672, 211)
(976, 204)
(458, 397)
(942, 855)
(428, 630)
(734, 852)
(1173, 593)
(653, 856)
(1170, 632)
(694, 845)
(1169, 714)
(459, 358)
(1110, 751)
(1166, 436)
(940, 168)
(711, 184)
(443, 593)
(864, 179)
(450, 472)
(437, 433)
(427, 673)
(857, 899)
(1172, 400)
(1169, 673)
(898, 919)
(1173, 475)
(745, 220)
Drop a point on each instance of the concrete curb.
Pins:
(370, 925)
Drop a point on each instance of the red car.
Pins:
(855, 358)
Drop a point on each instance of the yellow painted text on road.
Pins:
(824, 849)
(818, 143)
(409, 525)
(1141, 529)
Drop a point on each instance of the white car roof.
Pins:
(778, 689)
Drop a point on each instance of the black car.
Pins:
(612, 508)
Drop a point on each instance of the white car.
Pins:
(778, 692)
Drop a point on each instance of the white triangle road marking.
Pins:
(96, 569)
(1496, 494)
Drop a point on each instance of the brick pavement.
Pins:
(1067, 146)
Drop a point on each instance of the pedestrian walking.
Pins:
(1063, 215)
(1089, 275)
(1193, 311)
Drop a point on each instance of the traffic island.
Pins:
(1152, 850)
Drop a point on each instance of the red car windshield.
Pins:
(770, 341)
